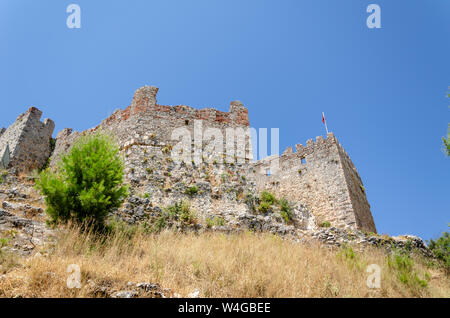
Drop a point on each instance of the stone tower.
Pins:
(25, 145)
(322, 175)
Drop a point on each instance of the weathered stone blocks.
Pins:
(320, 174)
(27, 142)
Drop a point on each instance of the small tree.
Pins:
(87, 184)
(446, 141)
(441, 249)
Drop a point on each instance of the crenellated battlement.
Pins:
(322, 175)
(290, 158)
(318, 173)
(145, 121)
(144, 103)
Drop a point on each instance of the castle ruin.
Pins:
(25, 145)
(319, 175)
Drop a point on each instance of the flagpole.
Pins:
(325, 122)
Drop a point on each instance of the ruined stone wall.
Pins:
(322, 176)
(28, 141)
(357, 193)
(146, 123)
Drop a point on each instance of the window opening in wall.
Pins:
(303, 161)
(267, 172)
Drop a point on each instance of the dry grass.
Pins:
(240, 265)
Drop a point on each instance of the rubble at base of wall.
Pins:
(17, 203)
(140, 210)
(341, 237)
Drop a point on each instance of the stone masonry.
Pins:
(319, 179)
(322, 176)
(145, 121)
(25, 145)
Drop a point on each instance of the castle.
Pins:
(319, 175)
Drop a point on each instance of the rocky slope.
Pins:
(226, 204)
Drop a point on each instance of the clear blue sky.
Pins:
(382, 90)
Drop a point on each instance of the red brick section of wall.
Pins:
(145, 117)
(144, 102)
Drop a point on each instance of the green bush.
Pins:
(441, 249)
(191, 191)
(268, 197)
(286, 210)
(87, 183)
(266, 200)
(216, 221)
(180, 211)
(352, 259)
(325, 224)
(186, 214)
(3, 174)
(3, 242)
(264, 207)
(116, 225)
(404, 266)
(251, 200)
(160, 223)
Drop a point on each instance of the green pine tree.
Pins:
(87, 183)
(447, 140)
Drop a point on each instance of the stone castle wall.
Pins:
(25, 145)
(322, 176)
(144, 122)
(357, 193)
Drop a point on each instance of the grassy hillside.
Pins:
(217, 265)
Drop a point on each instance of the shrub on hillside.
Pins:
(325, 224)
(87, 183)
(3, 174)
(216, 221)
(191, 190)
(264, 207)
(441, 249)
(178, 212)
(268, 198)
(404, 267)
(286, 210)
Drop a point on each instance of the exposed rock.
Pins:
(25, 145)
(341, 237)
(144, 289)
(125, 294)
(194, 294)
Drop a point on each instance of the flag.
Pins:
(324, 122)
